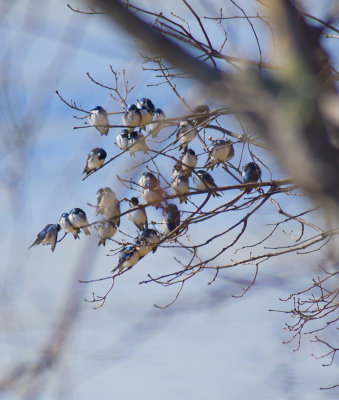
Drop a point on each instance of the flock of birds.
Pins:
(143, 115)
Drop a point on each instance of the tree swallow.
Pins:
(251, 172)
(201, 109)
(95, 160)
(180, 186)
(137, 142)
(155, 127)
(148, 179)
(131, 117)
(146, 117)
(151, 190)
(153, 196)
(170, 218)
(98, 118)
(219, 151)
(49, 235)
(122, 139)
(188, 161)
(138, 214)
(77, 217)
(106, 230)
(108, 205)
(186, 132)
(128, 257)
(145, 102)
(203, 180)
(67, 227)
(147, 241)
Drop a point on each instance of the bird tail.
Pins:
(118, 267)
(216, 194)
(76, 234)
(116, 220)
(36, 242)
(86, 230)
(183, 199)
(141, 227)
(102, 241)
(209, 165)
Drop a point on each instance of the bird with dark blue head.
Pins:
(220, 151)
(147, 103)
(78, 219)
(204, 181)
(128, 257)
(157, 122)
(137, 214)
(122, 139)
(170, 218)
(98, 118)
(146, 117)
(147, 241)
(131, 117)
(251, 172)
(186, 132)
(95, 160)
(136, 142)
(188, 161)
(49, 235)
(67, 227)
(180, 186)
(152, 193)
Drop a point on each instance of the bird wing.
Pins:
(54, 232)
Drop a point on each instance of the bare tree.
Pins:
(284, 104)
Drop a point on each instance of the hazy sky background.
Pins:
(208, 344)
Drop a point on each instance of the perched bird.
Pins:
(131, 117)
(106, 230)
(77, 217)
(146, 117)
(98, 118)
(145, 102)
(151, 190)
(203, 180)
(136, 142)
(155, 127)
(170, 218)
(128, 257)
(108, 205)
(148, 179)
(180, 186)
(220, 151)
(122, 139)
(138, 214)
(147, 241)
(201, 109)
(153, 196)
(49, 235)
(95, 159)
(251, 172)
(67, 227)
(188, 161)
(186, 132)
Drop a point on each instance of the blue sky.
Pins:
(207, 344)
